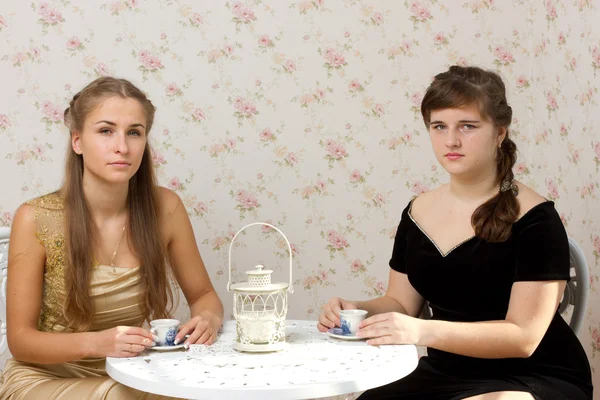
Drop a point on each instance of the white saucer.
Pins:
(337, 333)
(167, 348)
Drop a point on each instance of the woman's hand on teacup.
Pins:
(202, 329)
(330, 317)
(391, 328)
(122, 341)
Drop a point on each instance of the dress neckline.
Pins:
(444, 255)
(115, 266)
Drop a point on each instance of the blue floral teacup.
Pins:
(350, 319)
(165, 330)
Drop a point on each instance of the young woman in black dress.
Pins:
(490, 255)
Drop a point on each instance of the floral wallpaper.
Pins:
(305, 114)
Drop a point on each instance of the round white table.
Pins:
(314, 365)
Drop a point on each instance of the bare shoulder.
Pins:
(168, 201)
(527, 198)
(426, 201)
(24, 229)
(25, 217)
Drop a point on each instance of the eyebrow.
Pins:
(464, 121)
(113, 124)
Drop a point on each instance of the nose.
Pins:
(121, 145)
(452, 137)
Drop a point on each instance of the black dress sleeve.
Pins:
(542, 246)
(398, 260)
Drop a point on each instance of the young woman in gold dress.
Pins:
(91, 263)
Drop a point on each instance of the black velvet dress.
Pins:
(472, 282)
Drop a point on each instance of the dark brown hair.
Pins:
(462, 87)
(142, 215)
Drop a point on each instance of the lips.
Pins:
(119, 163)
(454, 156)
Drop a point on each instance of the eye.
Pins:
(105, 131)
(469, 127)
(438, 127)
(134, 133)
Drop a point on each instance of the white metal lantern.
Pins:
(260, 306)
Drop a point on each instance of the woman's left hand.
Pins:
(391, 328)
(202, 328)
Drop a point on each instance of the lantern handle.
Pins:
(290, 287)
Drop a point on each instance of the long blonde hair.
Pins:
(142, 208)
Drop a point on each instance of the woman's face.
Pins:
(112, 140)
(463, 142)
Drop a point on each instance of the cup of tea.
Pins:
(165, 330)
(350, 320)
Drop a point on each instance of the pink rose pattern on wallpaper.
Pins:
(306, 113)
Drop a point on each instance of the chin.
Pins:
(118, 180)
(456, 170)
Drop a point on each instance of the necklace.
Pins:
(112, 264)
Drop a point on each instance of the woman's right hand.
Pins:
(121, 341)
(330, 317)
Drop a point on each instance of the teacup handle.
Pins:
(153, 331)
(290, 287)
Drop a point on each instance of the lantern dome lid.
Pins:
(259, 280)
(260, 271)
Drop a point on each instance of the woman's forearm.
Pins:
(380, 305)
(38, 347)
(210, 303)
(487, 339)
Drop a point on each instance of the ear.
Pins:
(501, 134)
(76, 142)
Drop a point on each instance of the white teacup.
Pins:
(165, 330)
(350, 319)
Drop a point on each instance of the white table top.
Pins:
(314, 365)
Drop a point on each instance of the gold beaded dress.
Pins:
(115, 295)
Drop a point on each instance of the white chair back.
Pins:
(4, 236)
(577, 291)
